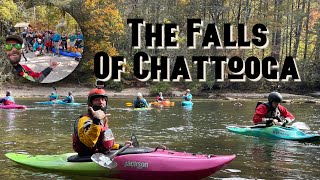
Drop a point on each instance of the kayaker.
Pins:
(54, 96)
(8, 100)
(91, 133)
(69, 98)
(140, 102)
(187, 96)
(272, 112)
(13, 48)
(159, 98)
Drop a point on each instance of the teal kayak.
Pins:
(186, 103)
(275, 132)
(58, 102)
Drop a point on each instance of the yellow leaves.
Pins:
(7, 10)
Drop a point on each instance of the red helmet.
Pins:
(94, 93)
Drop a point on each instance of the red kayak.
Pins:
(13, 106)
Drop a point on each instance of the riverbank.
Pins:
(39, 91)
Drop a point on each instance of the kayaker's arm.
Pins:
(90, 136)
(286, 114)
(258, 117)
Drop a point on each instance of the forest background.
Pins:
(294, 30)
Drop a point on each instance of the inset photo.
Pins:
(46, 46)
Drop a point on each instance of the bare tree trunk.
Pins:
(239, 12)
(291, 31)
(276, 37)
(298, 32)
(1, 33)
(307, 31)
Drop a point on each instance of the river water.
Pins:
(45, 129)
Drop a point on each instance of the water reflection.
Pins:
(9, 116)
(48, 129)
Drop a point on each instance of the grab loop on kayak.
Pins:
(161, 147)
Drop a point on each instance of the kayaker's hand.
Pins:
(53, 64)
(129, 142)
(276, 122)
(99, 114)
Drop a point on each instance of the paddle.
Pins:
(129, 104)
(300, 125)
(107, 161)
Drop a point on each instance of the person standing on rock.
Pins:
(13, 49)
(56, 39)
(272, 112)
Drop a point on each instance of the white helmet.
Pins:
(139, 95)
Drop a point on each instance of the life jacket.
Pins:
(139, 103)
(104, 144)
(272, 112)
(9, 101)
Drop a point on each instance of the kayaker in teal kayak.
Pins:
(69, 98)
(187, 96)
(91, 133)
(272, 112)
(140, 102)
(54, 96)
(8, 100)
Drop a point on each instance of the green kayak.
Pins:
(275, 132)
(58, 163)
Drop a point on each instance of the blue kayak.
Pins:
(58, 102)
(69, 54)
(186, 103)
(276, 132)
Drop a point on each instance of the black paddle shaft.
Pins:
(119, 151)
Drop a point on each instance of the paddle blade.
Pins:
(129, 104)
(301, 126)
(103, 160)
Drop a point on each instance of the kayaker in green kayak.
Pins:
(140, 102)
(69, 98)
(8, 99)
(187, 96)
(272, 112)
(91, 133)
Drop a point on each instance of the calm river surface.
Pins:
(45, 129)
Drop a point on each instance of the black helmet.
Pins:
(275, 97)
(8, 93)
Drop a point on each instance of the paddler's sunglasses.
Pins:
(9, 47)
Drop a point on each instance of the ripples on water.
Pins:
(201, 129)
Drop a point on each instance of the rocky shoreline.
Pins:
(29, 91)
